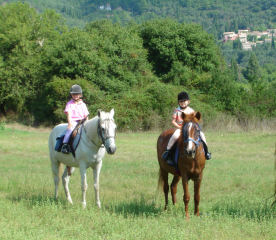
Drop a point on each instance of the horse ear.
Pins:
(99, 113)
(198, 116)
(112, 112)
(183, 115)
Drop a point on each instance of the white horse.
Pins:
(97, 137)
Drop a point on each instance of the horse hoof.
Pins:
(84, 205)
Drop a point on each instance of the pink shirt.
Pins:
(78, 110)
(177, 114)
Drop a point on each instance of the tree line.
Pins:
(138, 69)
(216, 16)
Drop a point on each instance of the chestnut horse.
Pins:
(191, 161)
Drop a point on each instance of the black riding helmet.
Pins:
(76, 89)
(183, 96)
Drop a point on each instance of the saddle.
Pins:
(173, 156)
(73, 141)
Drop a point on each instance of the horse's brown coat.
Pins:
(189, 168)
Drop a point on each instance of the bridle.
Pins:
(99, 131)
(185, 133)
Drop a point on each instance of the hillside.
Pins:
(216, 16)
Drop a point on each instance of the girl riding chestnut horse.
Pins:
(183, 101)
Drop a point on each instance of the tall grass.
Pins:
(235, 203)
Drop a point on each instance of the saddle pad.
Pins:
(59, 142)
(74, 145)
(175, 161)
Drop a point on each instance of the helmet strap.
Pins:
(182, 107)
(77, 100)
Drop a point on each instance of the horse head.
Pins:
(190, 133)
(106, 130)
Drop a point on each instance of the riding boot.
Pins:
(207, 153)
(65, 148)
(167, 157)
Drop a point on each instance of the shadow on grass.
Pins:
(138, 207)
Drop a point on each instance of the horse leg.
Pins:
(164, 175)
(96, 175)
(197, 184)
(174, 188)
(186, 197)
(65, 181)
(83, 183)
(56, 167)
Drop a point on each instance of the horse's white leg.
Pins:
(55, 169)
(96, 175)
(83, 183)
(65, 181)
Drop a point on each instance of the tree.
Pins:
(253, 69)
(23, 35)
(272, 42)
(234, 68)
(237, 44)
(168, 41)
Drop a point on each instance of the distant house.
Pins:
(243, 31)
(229, 36)
(271, 30)
(108, 7)
(243, 37)
(268, 40)
(256, 33)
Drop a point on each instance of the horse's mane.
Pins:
(194, 117)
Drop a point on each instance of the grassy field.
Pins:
(235, 194)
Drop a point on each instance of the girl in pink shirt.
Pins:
(76, 110)
(183, 101)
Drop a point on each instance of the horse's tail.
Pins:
(160, 180)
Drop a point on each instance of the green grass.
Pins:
(235, 194)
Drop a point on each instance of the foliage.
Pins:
(168, 42)
(253, 68)
(138, 69)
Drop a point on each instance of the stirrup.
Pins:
(65, 148)
(166, 155)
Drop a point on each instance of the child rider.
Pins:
(177, 121)
(76, 110)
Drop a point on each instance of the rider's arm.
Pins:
(174, 123)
